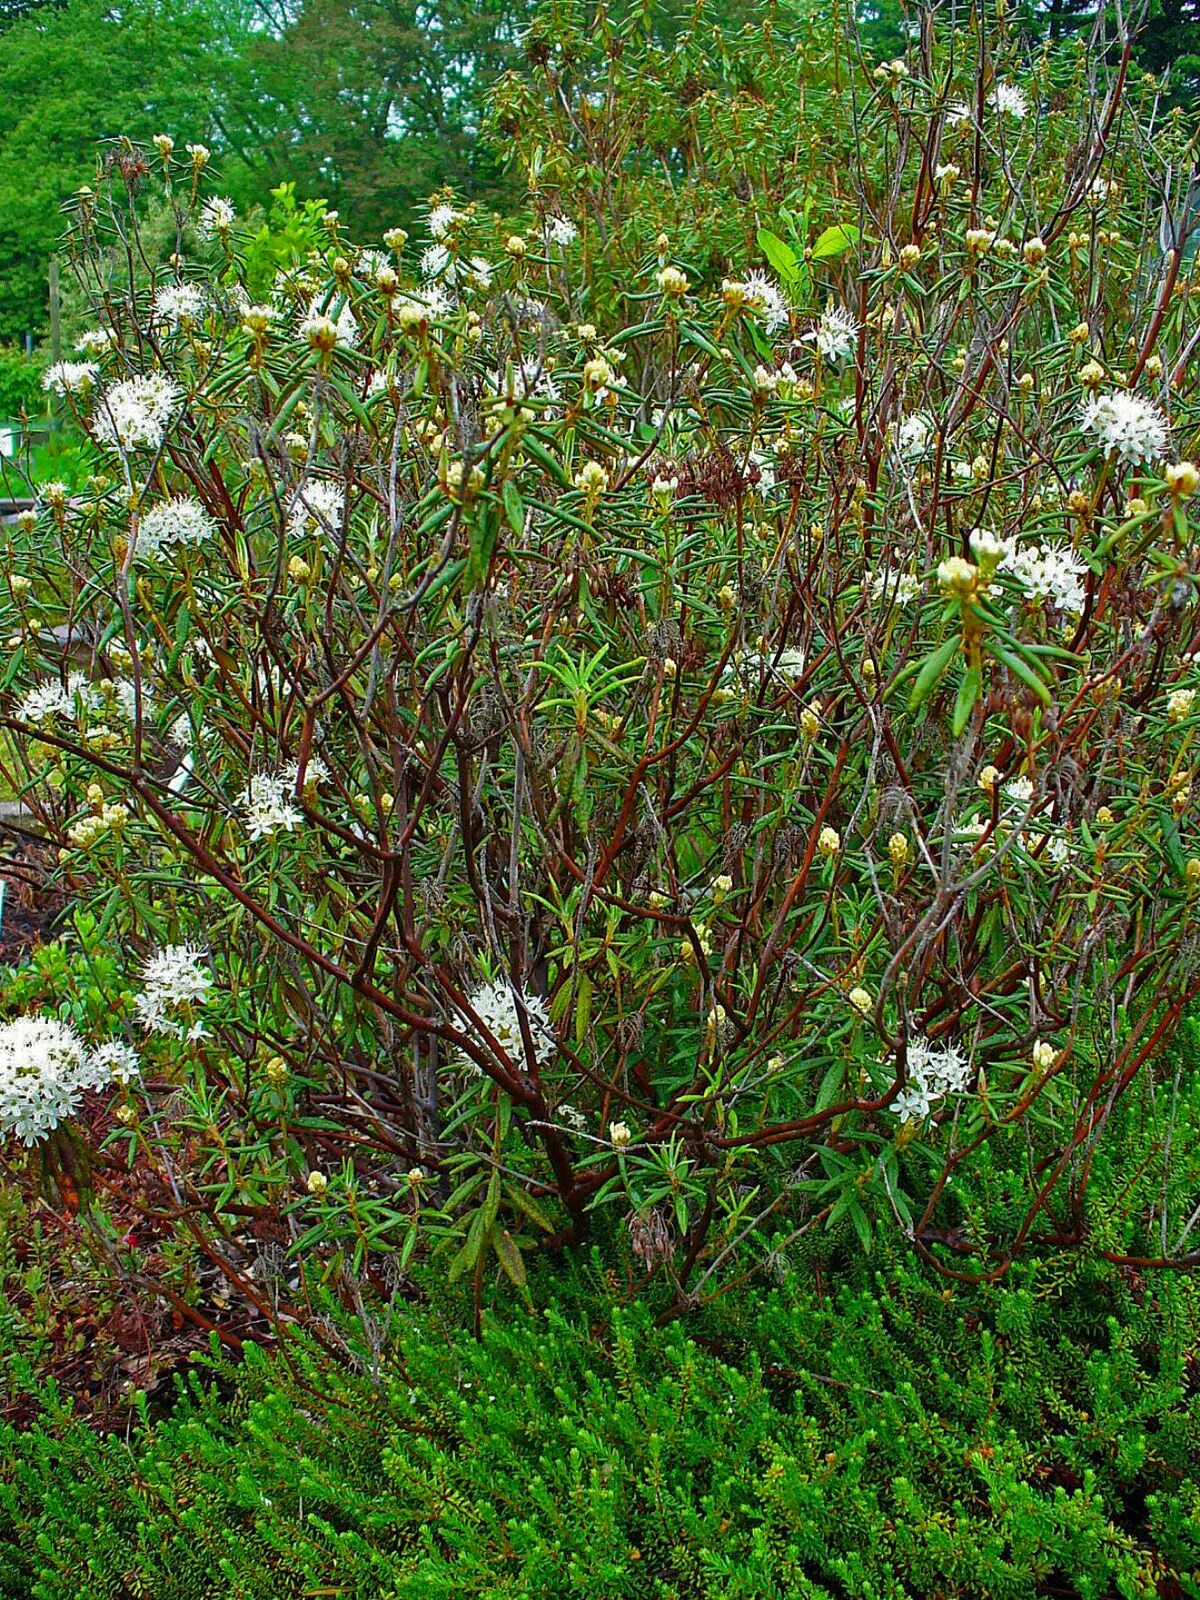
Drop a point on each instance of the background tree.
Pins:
(70, 74)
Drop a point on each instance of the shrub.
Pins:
(20, 384)
(727, 771)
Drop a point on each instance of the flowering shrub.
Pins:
(732, 765)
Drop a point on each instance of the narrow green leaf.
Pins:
(969, 690)
(514, 508)
(932, 670)
(1020, 669)
(509, 1256)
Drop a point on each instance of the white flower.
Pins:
(315, 772)
(478, 273)
(913, 1103)
(835, 335)
(1019, 790)
(441, 219)
(934, 1071)
(767, 298)
(181, 520)
(179, 302)
(524, 380)
(174, 979)
(96, 341)
(914, 436)
(789, 664)
(122, 692)
(44, 1069)
(216, 217)
(435, 258)
(368, 264)
(562, 230)
(750, 668)
(53, 699)
(267, 808)
(891, 585)
(1100, 189)
(43, 701)
(134, 414)
(766, 480)
(499, 1007)
(1010, 100)
(432, 301)
(118, 1060)
(70, 377)
(1049, 573)
(318, 505)
(1124, 425)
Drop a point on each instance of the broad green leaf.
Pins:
(835, 241)
(781, 256)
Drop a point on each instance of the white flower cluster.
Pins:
(134, 413)
(562, 231)
(767, 299)
(174, 980)
(54, 699)
(499, 1007)
(96, 341)
(438, 262)
(216, 217)
(1050, 573)
(432, 302)
(835, 335)
(44, 1069)
(268, 807)
(747, 669)
(1125, 425)
(891, 585)
(117, 1060)
(317, 506)
(1009, 100)
(178, 303)
(70, 377)
(441, 219)
(914, 436)
(934, 1071)
(181, 520)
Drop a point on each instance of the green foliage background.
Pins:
(369, 104)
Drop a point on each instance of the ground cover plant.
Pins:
(890, 1437)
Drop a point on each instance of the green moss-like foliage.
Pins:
(892, 1438)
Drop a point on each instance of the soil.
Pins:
(31, 908)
